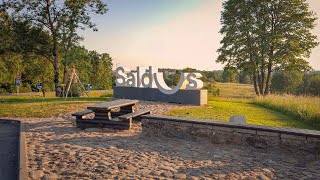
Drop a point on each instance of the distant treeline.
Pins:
(298, 83)
(39, 44)
(31, 53)
(289, 82)
(172, 76)
(91, 67)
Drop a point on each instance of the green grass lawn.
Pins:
(234, 99)
(35, 106)
(222, 111)
(240, 99)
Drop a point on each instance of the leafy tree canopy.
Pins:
(263, 35)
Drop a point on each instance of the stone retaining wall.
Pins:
(229, 133)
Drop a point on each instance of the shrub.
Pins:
(3, 91)
(74, 91)
(314, 85)
(212, 89)
(286, 82)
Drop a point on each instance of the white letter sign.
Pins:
(154, 79)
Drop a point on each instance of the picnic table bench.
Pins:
(105, 116)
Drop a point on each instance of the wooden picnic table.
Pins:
(105, 116)
(102, 111)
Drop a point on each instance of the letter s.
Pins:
(194, 83)
(121, 76)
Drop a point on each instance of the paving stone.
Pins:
(50, 177)
(36, 174)
(180, 176)
(70, 153)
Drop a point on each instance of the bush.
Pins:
(314, 85)
(74, 91)
(212, 89)
(3, 91)
(24, 89)
(8, 87)
(286, 82)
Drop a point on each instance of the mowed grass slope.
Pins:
(222, 111)
(240, 99)
(302, 108)
(35, 106)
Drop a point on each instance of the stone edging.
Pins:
(293, 131)
(230, 133)
(23, 155)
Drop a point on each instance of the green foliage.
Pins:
(102, 68)
(3, 91)
(263, 35)
(212, 89)
(26, 50)
(313, 87)
(286, 82)
(74, 91)
(172, 76)
(189, 70)
(229, 75)
(207, 76)
(10, 65)
(292, 82)
(60, 20)
(244, 77)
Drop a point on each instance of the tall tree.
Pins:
(102, 68)
(263, 35)
(55, 16)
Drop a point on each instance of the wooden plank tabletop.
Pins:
(113, 104)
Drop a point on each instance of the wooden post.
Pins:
(76, 78)
(70, 82)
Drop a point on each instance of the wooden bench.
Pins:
(130, 116)
(79, 115)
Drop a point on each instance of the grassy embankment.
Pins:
(301, 108)
(36, 106)
(238, 99)
(283, 111)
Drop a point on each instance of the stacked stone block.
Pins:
(230, 133)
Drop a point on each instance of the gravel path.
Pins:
(59, 150)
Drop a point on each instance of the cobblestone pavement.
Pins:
(59, 150)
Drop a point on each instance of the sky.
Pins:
(166, 33)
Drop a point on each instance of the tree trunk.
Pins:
(262, 78)
(267, 90)
(259, 83)
(54, 51)
(43, 88)
(43, 93)
(65, 74)
(58, 89)
(255, 84)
